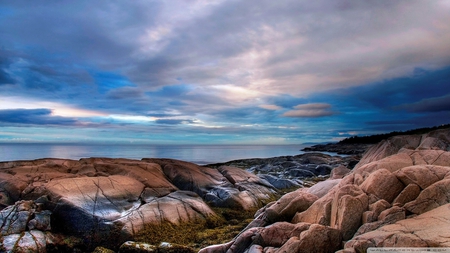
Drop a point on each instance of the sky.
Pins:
(221, 72)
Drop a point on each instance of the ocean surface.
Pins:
(199, 154)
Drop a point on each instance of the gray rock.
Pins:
(28, 241)
(14, 219)
(280, 183)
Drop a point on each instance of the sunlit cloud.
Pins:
(313, 110)
(271, 107)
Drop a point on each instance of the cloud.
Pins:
(125, 93)
(174, 121)
(312, 110)
(434, 104)
(271, 107)
(228, 63)
(33, 117)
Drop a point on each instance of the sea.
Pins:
(199, 154)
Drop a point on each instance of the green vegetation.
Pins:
(372, 139)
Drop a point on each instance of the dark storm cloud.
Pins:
(33, 117)
(434, 104)
(394, 104)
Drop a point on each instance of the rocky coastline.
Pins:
(315, 202)
(340, 148)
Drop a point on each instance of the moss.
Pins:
(213, 230)
(102, 250)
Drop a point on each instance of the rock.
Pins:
(392, 214)
(176, 208)
(102, 250)
(433, 143)
(137, 247)
(340, 148)
(100, 199)
(368, 207)
(390, 163)
(432, 197)
(383, 184)
(279, 233)
(408, 194)
(288, 205)
(389, 147)
(301, 173)
(434, 140)
(14, 219)
(83, 203)
(28, 241)
(10, 189)
(219, 248)
(319, 238)
(226, 187)
(319, 212)
(430, 229)
(422, 175)
(166, 247)
(41, 221)
(323, 187)
(386, 217)
(339, 172)
(379, 207)
(348, 205)
(274, 235)
(279, 183)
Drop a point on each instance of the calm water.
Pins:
(200, 154)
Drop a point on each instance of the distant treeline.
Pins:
(372, 139)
